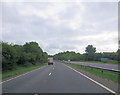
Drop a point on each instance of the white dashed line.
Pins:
(49, 74)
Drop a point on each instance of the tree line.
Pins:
(22, 55)
(31, 54)
(89, 55)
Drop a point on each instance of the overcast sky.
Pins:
(62, 26)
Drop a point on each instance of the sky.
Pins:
(62, 26)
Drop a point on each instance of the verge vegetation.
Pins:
(17, 59)
(105, 62)
(109, 75)
(20, 70)
(90, 55)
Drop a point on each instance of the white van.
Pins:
(50, 61)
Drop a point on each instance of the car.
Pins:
(68, 60)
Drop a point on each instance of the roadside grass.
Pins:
(20, 70)
(106, 62)
(109, 75)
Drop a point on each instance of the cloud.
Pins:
(61, 26)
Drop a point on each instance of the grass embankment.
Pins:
(106, 62)
(20, 70)
(109, 75)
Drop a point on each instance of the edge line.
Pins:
(91, 79)
(20, 75)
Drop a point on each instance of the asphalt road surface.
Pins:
(57, 78)
(109, 66)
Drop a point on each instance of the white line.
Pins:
(20, 75)
(92, 80)
(53, 68)
(49, 74)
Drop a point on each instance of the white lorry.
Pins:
(50, 61)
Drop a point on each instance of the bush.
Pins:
(27, 64)
(18, 55)
(111, 61)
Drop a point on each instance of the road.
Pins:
(57, 78)
(109, 66)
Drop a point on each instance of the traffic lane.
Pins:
(61, 80)
(110, 66)
(65, 80)
(27, 83)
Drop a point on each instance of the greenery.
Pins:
(105, 62)
(17, 59)
(89, 56)
(109, 75)
(90, 52)
(15, 56)
(69, 56)
(118, 52)
(20, 70)
(111, 61)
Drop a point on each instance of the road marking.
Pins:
(92, 80)
(49, 74)
(20, 75)
(53, 68)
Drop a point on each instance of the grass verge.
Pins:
(20, 70)
(109, 62)
(109, 75)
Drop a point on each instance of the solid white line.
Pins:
(49, 74)
(20, 75)
(92, 80)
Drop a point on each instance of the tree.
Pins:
(8, 57)
(97, 56)
(68, 56)
(90, 52)
(21, 55)
(118, 52)
(34, 52)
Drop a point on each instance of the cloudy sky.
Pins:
(62, 26)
